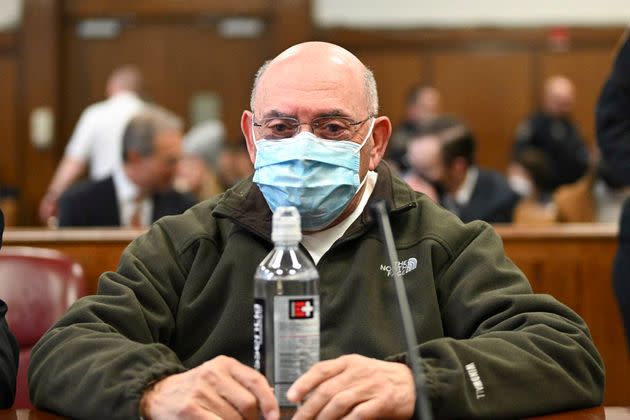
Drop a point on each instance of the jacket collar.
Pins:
(245, 205)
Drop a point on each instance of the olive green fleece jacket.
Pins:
(183, 294)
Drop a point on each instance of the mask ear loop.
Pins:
(253, 132)
(361, 147)
(368, 135)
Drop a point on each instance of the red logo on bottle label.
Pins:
(301, 308)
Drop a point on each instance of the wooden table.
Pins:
(597, 413)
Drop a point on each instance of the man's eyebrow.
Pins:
(330, 113)
(334, 113)
(277, 114)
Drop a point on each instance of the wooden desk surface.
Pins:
(597, 413)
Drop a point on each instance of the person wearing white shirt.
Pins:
(96, 140)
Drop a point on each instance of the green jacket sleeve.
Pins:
(111, 346)
(508, 352)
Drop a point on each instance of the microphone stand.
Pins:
(423, 406)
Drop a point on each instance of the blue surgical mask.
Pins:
(319, 177)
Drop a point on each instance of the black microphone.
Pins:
(423, 406)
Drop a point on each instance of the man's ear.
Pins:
(380, 135)
(246, 128)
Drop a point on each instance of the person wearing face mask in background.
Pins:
(170, 334)
(443, 154)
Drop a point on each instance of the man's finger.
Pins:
(317, 374)
(216, 405)
(367, 410)
(342, 404)
(257, 384)
(241, 398)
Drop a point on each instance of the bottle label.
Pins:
(296, 333)
(259, 338)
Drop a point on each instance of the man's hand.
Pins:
(48, 208)
(220, 388)
(354, 387)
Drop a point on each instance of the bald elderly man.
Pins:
(170, 334)
(552, 131)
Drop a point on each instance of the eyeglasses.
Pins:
(327, 127)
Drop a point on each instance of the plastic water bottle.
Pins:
(286, 308)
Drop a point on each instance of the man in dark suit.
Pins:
(613, 137)
(139, 192)
(422, 106)
(443, 154)
(9, 353)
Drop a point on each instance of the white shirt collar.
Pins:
(318, 243)
(126, 196)
(126, 190)
(465, 191)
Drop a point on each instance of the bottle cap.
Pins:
(286, 225)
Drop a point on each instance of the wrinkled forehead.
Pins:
(305, 85)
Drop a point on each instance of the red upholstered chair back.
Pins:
(38, 285)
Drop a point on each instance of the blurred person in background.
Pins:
(613, 138)
(9, 352)
(234, 163)
(529, 175)
(197, 172)
(96, 140)
(597, 197)
(140, 191)
(444, 155)
(552, 131)
(422, 106)
(414, 176)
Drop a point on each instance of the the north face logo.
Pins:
(402, 267)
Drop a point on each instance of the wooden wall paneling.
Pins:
(469, 38)
(604, 319)
(163, 8)
(489, 90)
(291, 23)
(562, 278)
(531, 267)
(588, 69)
(8, 41)
(396, 71)
(9, 157)
(574, 264)
(225, 66)
(182, 59)
(39, 79)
